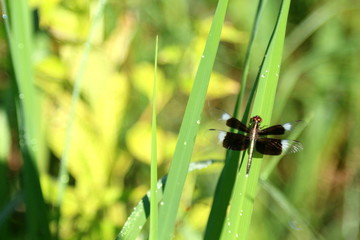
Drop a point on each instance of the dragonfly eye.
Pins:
(257, 119)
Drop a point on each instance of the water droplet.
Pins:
(162, 203)
(140, 227)
(4, 16)
(228, 223)
(185, 143)
(198, 121)
(295, 225)
(21, 96)
(237, 235)
(266, 71)
(229, 231)
(202, 56)
(262, 75)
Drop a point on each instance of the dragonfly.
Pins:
(255, 138)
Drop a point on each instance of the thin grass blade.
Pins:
(153, 180)
(63, 173)
(138, 217)
(294, 215)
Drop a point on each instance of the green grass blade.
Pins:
(222, 196)
(248, 55)
(138, 217)
(227, 178)
(19, 34)
(238, 222)
(153, 180)
(183, 151)
(312, 23)
(20, 41)
(63, 174)
(293, 214)
(4, 151)
(6, 211)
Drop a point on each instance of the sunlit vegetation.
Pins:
(85, 182)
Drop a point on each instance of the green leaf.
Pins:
(238, 222)
(183, 151)
(227, 178)
(19, 34)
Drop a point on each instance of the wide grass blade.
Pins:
(153, 180)
(19, 33)
(248, 55)
(227, 178)
(186, 139)
(238, 222)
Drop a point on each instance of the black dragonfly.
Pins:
(256, 138)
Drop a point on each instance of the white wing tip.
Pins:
(221, 136)
(290, 146)
(225, 116)
(287, 126)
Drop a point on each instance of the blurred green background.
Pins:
(109, 158)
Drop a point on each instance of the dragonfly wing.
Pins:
(272, 146)
(233, 141)
(279, 129)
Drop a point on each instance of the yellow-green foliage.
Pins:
(110, 145)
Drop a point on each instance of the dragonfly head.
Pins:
(257, 119)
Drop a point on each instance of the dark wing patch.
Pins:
(273, 130)
(234, 123)
(279, 129)
(272, 146)
(269, 146)
(235, 141)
